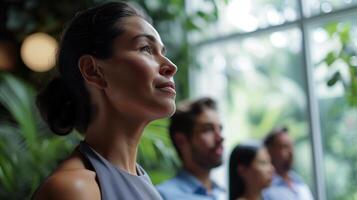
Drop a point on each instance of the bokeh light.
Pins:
(38, 52)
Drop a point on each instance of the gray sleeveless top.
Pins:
(117, 184)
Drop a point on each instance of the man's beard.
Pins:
(287, 165)
(205, 160)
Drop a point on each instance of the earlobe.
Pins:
(91, 71)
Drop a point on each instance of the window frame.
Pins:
(303, 23)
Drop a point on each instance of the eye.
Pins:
(146, 49)
(207, 129)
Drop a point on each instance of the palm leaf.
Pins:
(26, 156)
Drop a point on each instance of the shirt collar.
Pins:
(194, 185)
(278, 180)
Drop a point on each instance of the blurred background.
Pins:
(267, 62)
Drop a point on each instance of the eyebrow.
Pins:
(152, 39)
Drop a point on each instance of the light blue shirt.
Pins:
(184, 186)
(280, 190)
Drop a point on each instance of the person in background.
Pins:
(196, 133)
(250, 171)
(114, 79)
(286, 184)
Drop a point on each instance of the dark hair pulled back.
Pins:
(242, 155)
(65, 102)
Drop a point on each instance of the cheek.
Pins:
(202, 142)
(258, 172)
(129, 76)
(266, 173)
(208, 140)
(143, 69)
(253, 174)
(135, 68)
(285, 154)
(280, 154)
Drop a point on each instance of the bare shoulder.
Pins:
(71, 180)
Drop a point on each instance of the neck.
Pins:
(283, 173)
(203, 175)
(252, 194)
(116, 138)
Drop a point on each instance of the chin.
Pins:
(170, 106)
(171, 110)
(166, 110)
(216, 163)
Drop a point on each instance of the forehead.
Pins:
(283, 138)
(135, 26)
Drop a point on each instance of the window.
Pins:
(266, 66)
(338, 120)
(249, 15)
(316, 7)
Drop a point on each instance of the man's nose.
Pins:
(219, 136)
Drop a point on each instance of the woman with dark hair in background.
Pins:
(114, 78)
(250, 171)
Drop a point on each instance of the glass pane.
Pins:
(314, 7)
(259, 83)
(334, 58)
(248, 15)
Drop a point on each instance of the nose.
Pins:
(167, 68)
(218, 134)
(219, 138)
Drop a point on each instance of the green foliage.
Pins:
(156, 153)
(338, 115)
(330, 58)
(334, 78)
(28, 152)
(346, 54)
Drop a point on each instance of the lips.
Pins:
(167, 87)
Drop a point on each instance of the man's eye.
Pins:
(208, 129)
(146, 49)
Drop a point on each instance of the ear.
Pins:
(91, 71)
(183, 146)
(180, 139)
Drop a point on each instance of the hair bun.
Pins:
(57, 106)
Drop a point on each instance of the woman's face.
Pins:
(139, 78)
(260, 172)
